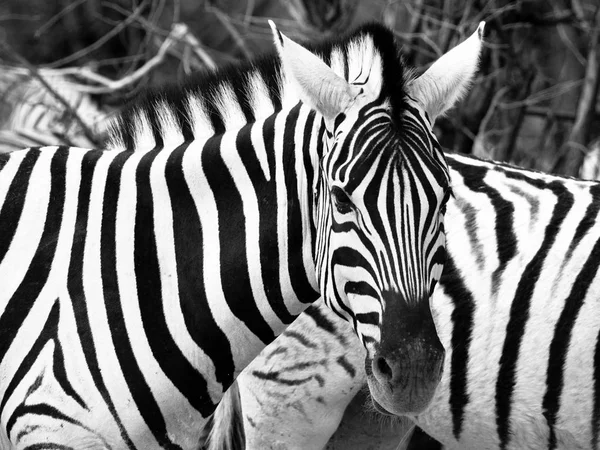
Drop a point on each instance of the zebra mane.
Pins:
(206, 104)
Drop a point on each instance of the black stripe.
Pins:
(199, 321)
(76, 292)
(214, 115)
(23, 300)
(126, 126)
(370, 318)
(184, 121)
(40, 409)
(155, 127)
(298, 337)
(344, 50)
(12, 208)
(360, 288)
(167, 354)
(562, 337)
(308, 165)
(462, 332)
(235, 278)
(242, 93)
(298, 276)
(267, 73)
(4, 157)
(519, 313)
(275, 377)
(596, 410)
(48, 446)
(321, 320)
(346, 365)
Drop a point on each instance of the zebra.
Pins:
(36, 118)
(140, 280)
(516, 309)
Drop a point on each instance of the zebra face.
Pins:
(404, 363)
(381, 243)
(381, 188)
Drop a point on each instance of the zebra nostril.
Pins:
(384, 368)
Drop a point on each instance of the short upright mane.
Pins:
(172, 110)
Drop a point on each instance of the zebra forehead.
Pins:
(369, 56)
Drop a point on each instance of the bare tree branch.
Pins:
(571, 155)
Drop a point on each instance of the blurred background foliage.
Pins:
(533, 104)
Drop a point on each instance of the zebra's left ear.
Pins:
(448, 78)
(317, 84)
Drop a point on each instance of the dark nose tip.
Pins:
(424, 365)
(383, 369)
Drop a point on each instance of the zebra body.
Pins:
(138, 282)
(516, 309)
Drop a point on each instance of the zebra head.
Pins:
(379, 201)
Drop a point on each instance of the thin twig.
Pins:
(187, 38)
(56, 17)
(225, 21)
(113, 85)
(100, 42)
(35, 74)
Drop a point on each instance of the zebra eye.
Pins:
(341, 200)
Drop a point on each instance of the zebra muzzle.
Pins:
(404, 380)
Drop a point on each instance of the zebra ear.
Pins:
(317, 84)
(448, 78)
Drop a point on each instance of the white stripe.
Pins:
(200, 122)
(260, 101)
(143, 137)
(169, 126)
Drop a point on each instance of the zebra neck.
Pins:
(261, 179)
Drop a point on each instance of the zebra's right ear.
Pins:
(317, 84)
(448, 78)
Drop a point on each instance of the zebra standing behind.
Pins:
(137, 283)
(517, 309)
(36, 118)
